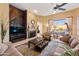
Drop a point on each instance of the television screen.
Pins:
(16, 30)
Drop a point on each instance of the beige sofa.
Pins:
(57, 46)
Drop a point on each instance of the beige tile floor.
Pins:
(22, 42)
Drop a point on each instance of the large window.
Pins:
(58, 25)
(60, 21)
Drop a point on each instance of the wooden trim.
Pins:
(15, 7)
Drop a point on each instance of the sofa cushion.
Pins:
(54, 48)
(71, 39)
(65, 38)
(76, 47)
(74, 43)
(58, 51)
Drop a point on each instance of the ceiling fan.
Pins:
(59, 6)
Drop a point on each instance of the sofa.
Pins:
(61, 46)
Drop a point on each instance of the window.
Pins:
(58, 25)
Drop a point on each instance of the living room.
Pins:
(33, 27)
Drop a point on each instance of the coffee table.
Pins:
(38, 45)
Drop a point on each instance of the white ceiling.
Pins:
(43, 9)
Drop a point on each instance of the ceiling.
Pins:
(44, 9)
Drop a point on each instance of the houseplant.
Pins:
(3, 31)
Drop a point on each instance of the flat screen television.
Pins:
(16, 30)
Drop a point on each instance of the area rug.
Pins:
(25, 51)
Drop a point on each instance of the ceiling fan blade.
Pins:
(61, 9)
(62, 4)
(57, 6)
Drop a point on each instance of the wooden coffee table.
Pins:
(39, 45)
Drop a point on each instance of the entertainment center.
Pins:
(17, 24)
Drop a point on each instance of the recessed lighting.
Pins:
(35, 11)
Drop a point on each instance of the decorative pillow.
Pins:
(76, 49)
(74, 43)
(3, 48)
(65, 38)
(71, 39)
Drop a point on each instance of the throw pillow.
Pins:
(65, 38)
(74, 43)
(77, 47)
(71, 39)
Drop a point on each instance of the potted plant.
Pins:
(3, 31)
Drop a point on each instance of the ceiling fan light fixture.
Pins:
(54, 12)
